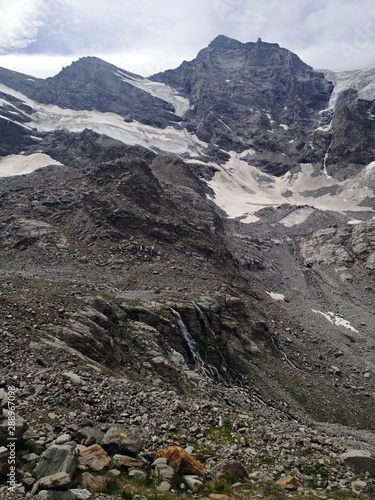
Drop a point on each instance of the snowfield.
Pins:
(21, 164)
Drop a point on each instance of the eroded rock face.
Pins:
(353, 128)
(22, 233)
(342, 246)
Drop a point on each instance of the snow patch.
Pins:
(279, 297)
(241, 190)
(284, 126)
(336, 320)
(160, 90)
(297, 216)
(21, 165)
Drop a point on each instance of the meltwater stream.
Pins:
(205, 370)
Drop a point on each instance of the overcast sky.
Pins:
(39, 37)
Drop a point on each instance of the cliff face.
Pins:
(254, 96)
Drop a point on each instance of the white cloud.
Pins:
(146, 36)
(19, 23)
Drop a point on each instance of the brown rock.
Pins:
(58, 481)
(229, 468)
(128, 461)
(182, 462)
(94, 457)
(93, 483)
(289, 482)
(218, 496)
(241, 486)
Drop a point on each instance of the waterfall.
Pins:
(208, 328)
(206, 371)
(325, 162)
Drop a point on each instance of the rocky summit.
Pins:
(187, 280)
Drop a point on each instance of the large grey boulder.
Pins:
(124, 442)
(363, 460)
(76, 494)
(57, 458)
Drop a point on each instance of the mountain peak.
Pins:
(224, 42)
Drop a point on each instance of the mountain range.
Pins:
(206, 232)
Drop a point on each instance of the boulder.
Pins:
(117, 440)
(182, 462)
(75, 494)
(128, 461)
(94, 457)
(58, 481)
(93, 483)
(229, 469)
(362, 460)
(89, 433)
(56, 458)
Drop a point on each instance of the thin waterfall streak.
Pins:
(193, 348)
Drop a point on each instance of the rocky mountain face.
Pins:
(254, 96)
(187, 270)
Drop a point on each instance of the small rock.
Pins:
(193, 482)
(359, 485)
(289, 482)
(138, 474)
(64, 438)
(163, 486)
(73, 377)
(113, 473)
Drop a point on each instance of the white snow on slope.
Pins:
(362, 80)
(49, 117)
(336, 320)
(134, 133)
(160, 90)
(297, 216)
(241, 190)
(21, 164)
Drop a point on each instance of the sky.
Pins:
(40, 37)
